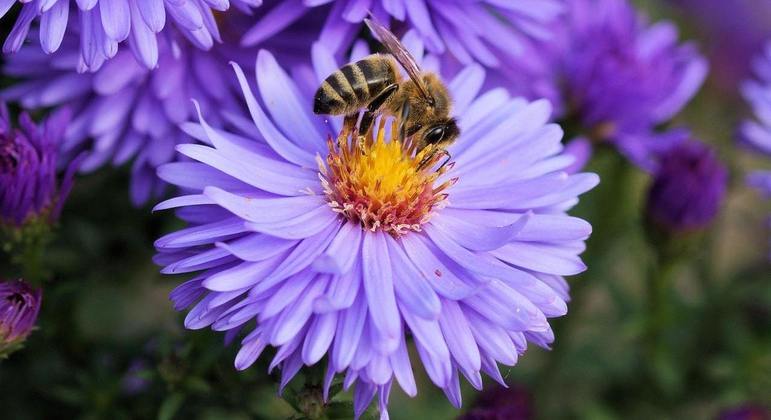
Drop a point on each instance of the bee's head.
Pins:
(441, 133)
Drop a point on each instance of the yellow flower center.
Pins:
(382, 183)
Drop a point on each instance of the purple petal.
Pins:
(142, 40)
(341, 254)
(287, 293)
(506, 307)
(342, 291)
(264, 210)
(53, 23)
(273, 22)
(301, 227)
(257, 247)
(116, 18)
(153, 13)
(378, 284)
(320, 335)
(540, 257)
(200, 235)
(400, 362)
(277, 141)
(411, 290)
(460, 339)
(349, 331)
(443, 279)
(242, 275)
(479, 238)
(492, 339)
(292, 320)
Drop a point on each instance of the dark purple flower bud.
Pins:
(688, 188)
(746, 412)
(29, 187)
(19, 306)
(499, 403)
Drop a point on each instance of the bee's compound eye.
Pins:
(435, 135)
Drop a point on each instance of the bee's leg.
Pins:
(349, 122)
(446, 161)
(374, 106)
(430, 157)
(403, 122)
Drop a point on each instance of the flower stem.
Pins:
(26, 247)
(658, 320)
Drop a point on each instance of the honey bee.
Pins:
(376, 84)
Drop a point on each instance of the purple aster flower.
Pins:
(734, 31)
(756, 133)
(29, 186)
(124, 111)
(688, 188)
(101, 25)
(19, 306)
(489, 32)
(613, 75)
(316, 244)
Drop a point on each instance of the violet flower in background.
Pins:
(613, 75)
(285, 230)
(19, 307)
(124, 111)
(29, 154)
(490, 32)
(101, 25)
(689, 186)
(734, 32)
(756, 133)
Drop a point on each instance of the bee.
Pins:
(376, 84)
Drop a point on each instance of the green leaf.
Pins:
(170, 406)
(340, 410)
(290, 395)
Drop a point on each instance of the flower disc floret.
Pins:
(382, 184)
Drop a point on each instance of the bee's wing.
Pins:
(395, 48)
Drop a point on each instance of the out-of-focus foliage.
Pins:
(659, 327)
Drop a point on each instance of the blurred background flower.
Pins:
(102, 25)
(19, 307)
(688, 188)
(489, 32)
(756, 133)
(124, 112)
(612, 76)
(732, 32)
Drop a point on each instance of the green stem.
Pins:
(659, 316)
(658, 301)
(25, 247)
(31, 261)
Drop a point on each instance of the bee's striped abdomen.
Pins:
(354, 85)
